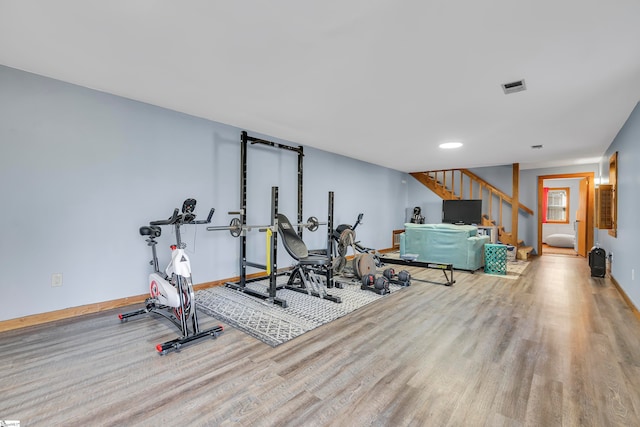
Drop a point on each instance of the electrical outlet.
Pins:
(56, 280)
(633, 274)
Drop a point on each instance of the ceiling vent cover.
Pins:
(513, 87)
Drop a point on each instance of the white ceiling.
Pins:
(384, 81)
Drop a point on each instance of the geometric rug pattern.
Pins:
(273, 324)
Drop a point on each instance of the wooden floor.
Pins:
(556, 347)
(554, 250)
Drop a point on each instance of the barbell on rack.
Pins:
(235, 227)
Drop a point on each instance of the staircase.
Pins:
(463, 184)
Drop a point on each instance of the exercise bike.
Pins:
(171, 293)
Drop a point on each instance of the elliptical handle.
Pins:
(358, 221)
(169, 221)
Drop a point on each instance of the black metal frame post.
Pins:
(243, 263)
(329, 273)
(273, 285)
(243, 209)
(300, 188)
(273, 268)
(273, 252)
(299, 150)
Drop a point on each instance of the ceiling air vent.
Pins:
(513, 87)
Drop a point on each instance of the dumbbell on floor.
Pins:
(402, 278)
(379, 285)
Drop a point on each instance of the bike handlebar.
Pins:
(204, 221)
(177, 217)
(169, 221)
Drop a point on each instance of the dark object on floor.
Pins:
(411, 260)
(598, 262)
(402, 278)
(379, 285)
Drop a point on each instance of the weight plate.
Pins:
(347, 237)
(364, 264)
(235, 230)
(312, 223)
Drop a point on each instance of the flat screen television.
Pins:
(462, 211)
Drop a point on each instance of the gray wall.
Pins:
(429, 202)
(81, 171)
(624, 265)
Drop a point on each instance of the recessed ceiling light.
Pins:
(449, 145)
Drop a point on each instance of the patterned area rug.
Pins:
(275, 325)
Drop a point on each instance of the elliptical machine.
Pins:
(344, 236)
(171, 293)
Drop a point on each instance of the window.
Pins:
(557, 210)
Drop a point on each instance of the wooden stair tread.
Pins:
(523, 252)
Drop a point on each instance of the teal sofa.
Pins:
(459, 245)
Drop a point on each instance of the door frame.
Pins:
(590, 203)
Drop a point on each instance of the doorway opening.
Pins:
(565, 213)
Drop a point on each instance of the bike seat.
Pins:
(150, 230)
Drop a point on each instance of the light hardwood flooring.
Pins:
(553, 250)
(555, 347)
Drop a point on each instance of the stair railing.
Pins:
(458, 183)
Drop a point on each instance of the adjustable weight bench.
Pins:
(312, 272)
